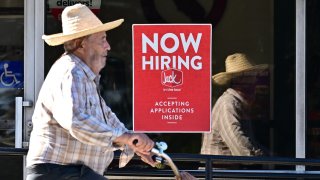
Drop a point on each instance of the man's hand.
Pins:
(147, 159)
(141, 145)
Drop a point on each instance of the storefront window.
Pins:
(283, 87)
(313, 80)
(11, 80)
(11, 68)
(264, 30)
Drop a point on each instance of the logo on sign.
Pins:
(172, 77)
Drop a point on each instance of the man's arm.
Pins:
(72, 111)
(233, 133)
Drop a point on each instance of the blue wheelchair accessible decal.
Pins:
(11, 74)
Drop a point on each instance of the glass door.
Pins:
(21, 69)
(11, 80)
(11, 67)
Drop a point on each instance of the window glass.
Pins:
(11, 81)
(264, 30)
(283, 85)
(11, 68)
(313, 80)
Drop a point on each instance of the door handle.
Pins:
(19, 119)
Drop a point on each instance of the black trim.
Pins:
(13, 151)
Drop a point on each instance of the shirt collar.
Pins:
(90, 74)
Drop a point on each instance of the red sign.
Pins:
(172, 77)
(57, 6)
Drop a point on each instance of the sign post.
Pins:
(171, 77)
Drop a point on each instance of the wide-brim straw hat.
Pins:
(78, 21)
(236, 65)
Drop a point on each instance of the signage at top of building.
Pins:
(172, 77)
(56, 6)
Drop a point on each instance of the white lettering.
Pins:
(145, 62)
(170, 78)
(195, 65)
(163, 62)
(171, 62)
(153, 44)
(164, 46)
(190, 39)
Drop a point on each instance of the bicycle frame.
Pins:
(168, 162)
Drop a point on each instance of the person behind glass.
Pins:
(74, 131)
(231, 132)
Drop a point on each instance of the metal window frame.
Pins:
(34, 12)
(300, 81)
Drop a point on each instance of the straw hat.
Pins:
(78, 21)
(236, 64)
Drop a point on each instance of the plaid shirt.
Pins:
(231, 128)
(72, 123)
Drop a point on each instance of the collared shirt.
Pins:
(71, 122)
(231, 128)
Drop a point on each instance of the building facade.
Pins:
(284, 34)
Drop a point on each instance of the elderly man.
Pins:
(74, 131)
(231, 132)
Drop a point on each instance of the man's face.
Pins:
(97, 48)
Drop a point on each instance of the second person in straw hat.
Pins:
(74, 131)
(231, 132)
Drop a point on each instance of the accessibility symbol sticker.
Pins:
(11, 74)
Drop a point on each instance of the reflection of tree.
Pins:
(190, 8)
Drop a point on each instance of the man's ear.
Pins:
(83, 41)
(79, 43)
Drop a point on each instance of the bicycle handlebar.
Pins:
(169, 161)
(167, 158)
